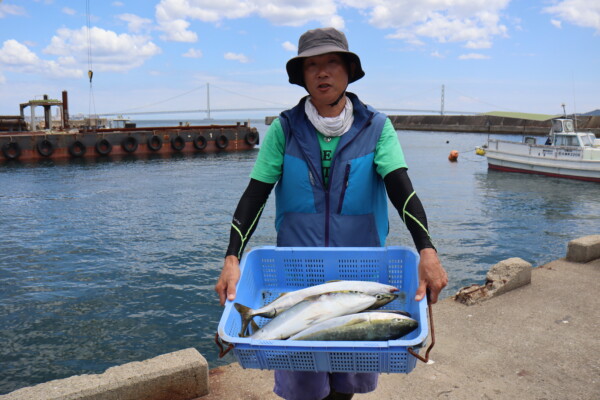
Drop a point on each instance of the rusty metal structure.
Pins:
(92, 139)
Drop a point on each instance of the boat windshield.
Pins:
(587, 139)
(564, 140)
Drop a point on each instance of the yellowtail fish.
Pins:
(372, 325)
(318, 308)
(287, 300)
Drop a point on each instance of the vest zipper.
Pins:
(345, 185)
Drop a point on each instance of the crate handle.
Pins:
(220, 342)
(410, 349)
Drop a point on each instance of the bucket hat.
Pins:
(320, 41)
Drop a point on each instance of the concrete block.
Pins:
(505, 276)
(181, 375)
(584, 249)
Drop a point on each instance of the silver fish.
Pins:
(372, 325)
(318, 308)
(287, 300)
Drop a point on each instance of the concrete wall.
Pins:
(182, 375)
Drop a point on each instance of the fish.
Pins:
(318, 308)
(289, 299)
(372, 325)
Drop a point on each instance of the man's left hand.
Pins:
(432, 275)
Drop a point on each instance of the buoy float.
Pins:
(479, 151)
(453, 155)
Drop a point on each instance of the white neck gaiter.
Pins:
(330, 126)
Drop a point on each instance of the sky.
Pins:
(171, 55)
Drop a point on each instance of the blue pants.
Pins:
(300, 385)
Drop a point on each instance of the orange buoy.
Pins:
(453, 155)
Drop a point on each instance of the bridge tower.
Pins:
(442, 108)
(207, 100)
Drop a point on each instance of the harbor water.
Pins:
(108, 262)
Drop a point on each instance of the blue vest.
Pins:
(351, 210)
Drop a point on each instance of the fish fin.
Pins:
(246, 314)
(254, 326)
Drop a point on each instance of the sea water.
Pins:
(108, 262)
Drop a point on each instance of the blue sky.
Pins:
(147, 55)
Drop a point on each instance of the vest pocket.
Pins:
(301, 230)
(353, 231)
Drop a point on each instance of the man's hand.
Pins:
(432, 275)
(230, 275)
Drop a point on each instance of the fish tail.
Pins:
(246, 314)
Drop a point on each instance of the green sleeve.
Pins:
(269, 162)
(388, 153)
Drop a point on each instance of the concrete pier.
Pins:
(535, 338)
(539, 341)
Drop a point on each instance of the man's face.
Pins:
(325, 77)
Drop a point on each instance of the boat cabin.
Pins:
(563, 133)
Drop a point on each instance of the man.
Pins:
(333, 159)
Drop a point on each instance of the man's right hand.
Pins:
(230, 275)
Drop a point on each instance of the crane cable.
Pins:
(92, 103)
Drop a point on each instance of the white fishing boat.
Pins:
(564, 153)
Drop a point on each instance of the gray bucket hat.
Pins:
(322, 41)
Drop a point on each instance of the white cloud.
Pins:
(473, 56)
(289, 46)
(474, 23)
(174, 16)
(582, 13)
(16, 56)
(436, 54)
(110, 51)
(556, 23)
(2, 79)
(193, 53)
(10, 9)
(236, 57)
(118, 4)
(68, 11)
(135, 23)
(15, 53)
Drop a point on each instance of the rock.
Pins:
(505, 276)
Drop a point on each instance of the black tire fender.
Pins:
(11, 150)
(77, 149)
(45, 147)
(222, 142)
(200, 142)
(129, 144)
(155, 143)
(103, 147)
(251, 138)
(178, 143)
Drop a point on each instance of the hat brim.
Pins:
(295, 70)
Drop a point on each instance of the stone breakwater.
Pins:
(481, 124)
(485, 124)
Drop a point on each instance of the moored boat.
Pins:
(565, 153)
(65, 142)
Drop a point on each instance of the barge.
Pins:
(64, 142)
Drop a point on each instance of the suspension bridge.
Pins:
(276, 108)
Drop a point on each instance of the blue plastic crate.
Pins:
(266, 272)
